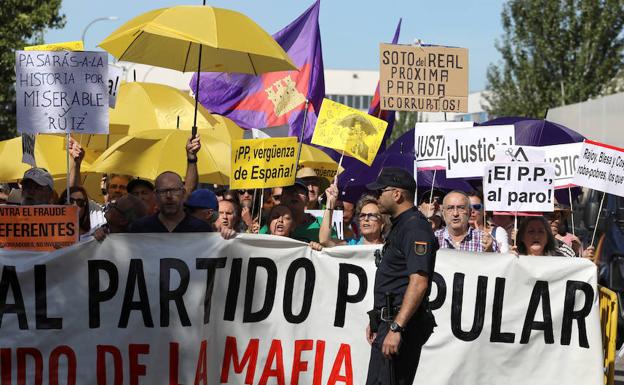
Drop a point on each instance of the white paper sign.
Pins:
(601, 167)
(469, 150)
(336, 220)
(114, 79)
(28, 149)
(519, 187)
(61, 92)
(564, 157)
(511, 154)
(429, 144)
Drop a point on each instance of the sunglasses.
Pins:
(476, 206)
(369, 217)
(247, 191)
(78, 202)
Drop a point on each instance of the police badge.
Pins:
(420, 248)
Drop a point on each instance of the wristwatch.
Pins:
(395, 327)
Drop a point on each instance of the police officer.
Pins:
(401, 321)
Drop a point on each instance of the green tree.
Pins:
(22, 23)
(554, 52)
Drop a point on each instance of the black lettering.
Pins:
(569, 314)
(497, 314)
(210, 265)
(440, 284)
(95, 295)
(231, 299)
(456, 308)
(308, 290)
(9, 279)
(343, 297)
(136, 278)
(43, 322)
(269, 294)
(540, 294)
(176, 295)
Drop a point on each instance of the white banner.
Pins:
(519, 187)
(511, 154)
(61, 92)
(601, 167)
(469, 150)
(564, 157)
(429, 147)
(195, 309)
(336, 220)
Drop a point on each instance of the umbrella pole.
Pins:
(597, 219)
(194, 129)
(305, 120)
(67, 154)
(571, 210)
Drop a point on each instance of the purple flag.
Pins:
(275, 98)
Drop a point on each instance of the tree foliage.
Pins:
(555, 52)
(22, 23)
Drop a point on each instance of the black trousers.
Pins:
(402, 365)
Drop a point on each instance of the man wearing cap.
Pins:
(144, 190)
(401, 321)
(37, 187)
(203, 205)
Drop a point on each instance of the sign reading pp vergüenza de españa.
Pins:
(61, 92)
(601, 167)
(46, 227)
(423, 78)
(346, 129)
(260, 163)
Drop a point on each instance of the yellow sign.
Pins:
(260, 163)
(346, 129)
(66, 46)
(608, 326)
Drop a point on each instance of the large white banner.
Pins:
(429, 143)
(601, 167)
(195, 309)
(469, 150)
(61, 92)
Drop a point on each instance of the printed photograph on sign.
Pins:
(423, 78)
(429, 143)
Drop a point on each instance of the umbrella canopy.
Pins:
(315, 158)
(149, 153)
(149, 106)
(172, 37)
(537, 132)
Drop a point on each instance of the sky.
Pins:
(351, 30)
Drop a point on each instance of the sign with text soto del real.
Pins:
(429, 144)
(469, 150)
(61, 92)
(346, 129)
(601, 167)
(260, 163)
(519, 186)
(564, 157)
(423, 78)
(45, 227)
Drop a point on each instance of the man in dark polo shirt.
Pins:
(171, 217)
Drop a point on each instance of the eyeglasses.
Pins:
(383, 190)
(247, 191)
(118, 187)
(476, 206)
(369, 217)
(166, 191)
(78, 201)
(460, 208)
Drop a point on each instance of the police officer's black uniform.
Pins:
(410, 248)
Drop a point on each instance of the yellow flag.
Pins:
(346, 129)
(65, 46)
(261, 163)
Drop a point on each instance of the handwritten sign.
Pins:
(61, 92)
(260, 163)
(46, 227)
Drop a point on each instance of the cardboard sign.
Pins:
(28, 149)
(564, 157)
(419, 78)
(519, 187)
(45, 227)
(61, 92)
(65, 46)
(524, 154)
(469, 150)
(114, 79)
(346, 129)
(601, 167)
(260, 163)
(429, 144)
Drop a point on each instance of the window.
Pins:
(350, 100)
(357, 102)
(340, 99)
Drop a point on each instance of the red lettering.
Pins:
(174, 349)
(21, 365)
(231, 355)
(201, 374)
(299, 366)
(55, 356)
(343, 356)
(318, 362)
(136, 369)
(275, 353)
(5, 366)
(101, 364)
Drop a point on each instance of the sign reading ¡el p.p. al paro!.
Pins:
(61, 92)
(45, 227)
(423, 78)
(261, 163)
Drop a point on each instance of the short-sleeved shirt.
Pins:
(151, 224)
(307, 232)
(472, 241)
(410, 248)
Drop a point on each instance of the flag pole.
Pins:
(305, 120)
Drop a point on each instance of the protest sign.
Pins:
(114, 78)
(519, 187)
(564, 157)
(469, 150)
(195, 309)
(336, 220)
(65, 46)
(61, 92)
(601, 167)
(260, 163)
(28, 149)
(423, 78)
(346, 129)
(511, 154)
(322, 169)
(429, 142)
(45, 227)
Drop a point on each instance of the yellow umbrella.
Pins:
(149, 153)
(323, 164)
(186, 36)
(148, 106)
